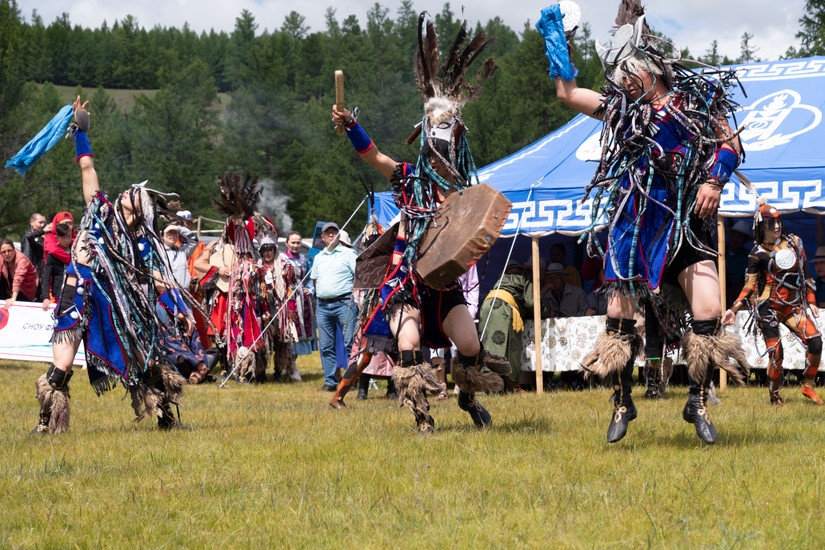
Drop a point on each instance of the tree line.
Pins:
(276, 120)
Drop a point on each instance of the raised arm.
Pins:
(582, 100)
(364, 146)
(84, 157)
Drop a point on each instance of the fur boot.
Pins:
(52, 392)
(412, 382)
(480, 373)
(611, 353)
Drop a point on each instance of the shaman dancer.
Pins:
(118, 273)
(667, 153)
(779, 288)
(444, 166)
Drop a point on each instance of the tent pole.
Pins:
(537, 316)
(720, 234)
(820, 231)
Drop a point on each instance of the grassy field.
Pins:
(274, 466)
(125, 99)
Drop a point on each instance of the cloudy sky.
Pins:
(691, 23)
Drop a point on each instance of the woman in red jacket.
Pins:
(18, 276)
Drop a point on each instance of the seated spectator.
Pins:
(736, 259)
(595, 303)
(18, 277)
(563, 299)
(819, 267)
(558, 255)
(51, 283)
(32, 242)
(503, 312)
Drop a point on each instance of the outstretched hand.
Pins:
(77, 105)
(729, 318)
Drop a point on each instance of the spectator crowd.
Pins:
(318, 297)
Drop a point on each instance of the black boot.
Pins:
(623, 408)
(481, 417)
(391, 393)
(696, 410)
(42, 427)
(363, 386)
(167, 420)
(653, 376)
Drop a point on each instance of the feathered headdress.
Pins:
(239, 195)
(443, 86)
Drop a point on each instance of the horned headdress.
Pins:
(445, 92)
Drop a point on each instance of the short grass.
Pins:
(273, 466)
(125, 99)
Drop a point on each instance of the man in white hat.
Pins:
(333, 271)
(563, 299)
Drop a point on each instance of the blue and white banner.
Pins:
(783, 137)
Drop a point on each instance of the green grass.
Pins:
(125, 99)
(274, 466)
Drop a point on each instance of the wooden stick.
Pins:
(537, 317)
(339, 96)
(723, 284)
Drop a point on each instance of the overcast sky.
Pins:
(691, 23)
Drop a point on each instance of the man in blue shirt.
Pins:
(333, 271)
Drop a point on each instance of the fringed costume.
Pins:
(301, 304)
(236, 290)
(278, 313)
(445, 165)
(779, 289)
(665, 141)
(119, 273)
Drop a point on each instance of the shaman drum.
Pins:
(466, 226)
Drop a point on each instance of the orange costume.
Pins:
(779, 289)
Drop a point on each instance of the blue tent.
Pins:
(783, 136)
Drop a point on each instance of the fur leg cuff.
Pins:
(611, 354)
(473, 380)
(54, 404)
(412, 384)
(704, 352)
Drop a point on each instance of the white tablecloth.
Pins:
(564, 342)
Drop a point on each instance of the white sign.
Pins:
(25, 334)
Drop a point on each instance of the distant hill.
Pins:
(125, 99)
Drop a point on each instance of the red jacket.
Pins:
(51, 246)
(24, 279)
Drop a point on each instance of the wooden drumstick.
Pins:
(339, 96)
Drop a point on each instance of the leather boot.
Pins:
(363, 387)
(623, 408)
(773, 391)
(808, 390)
(653, 376)
(696, 409)
(481, 417)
